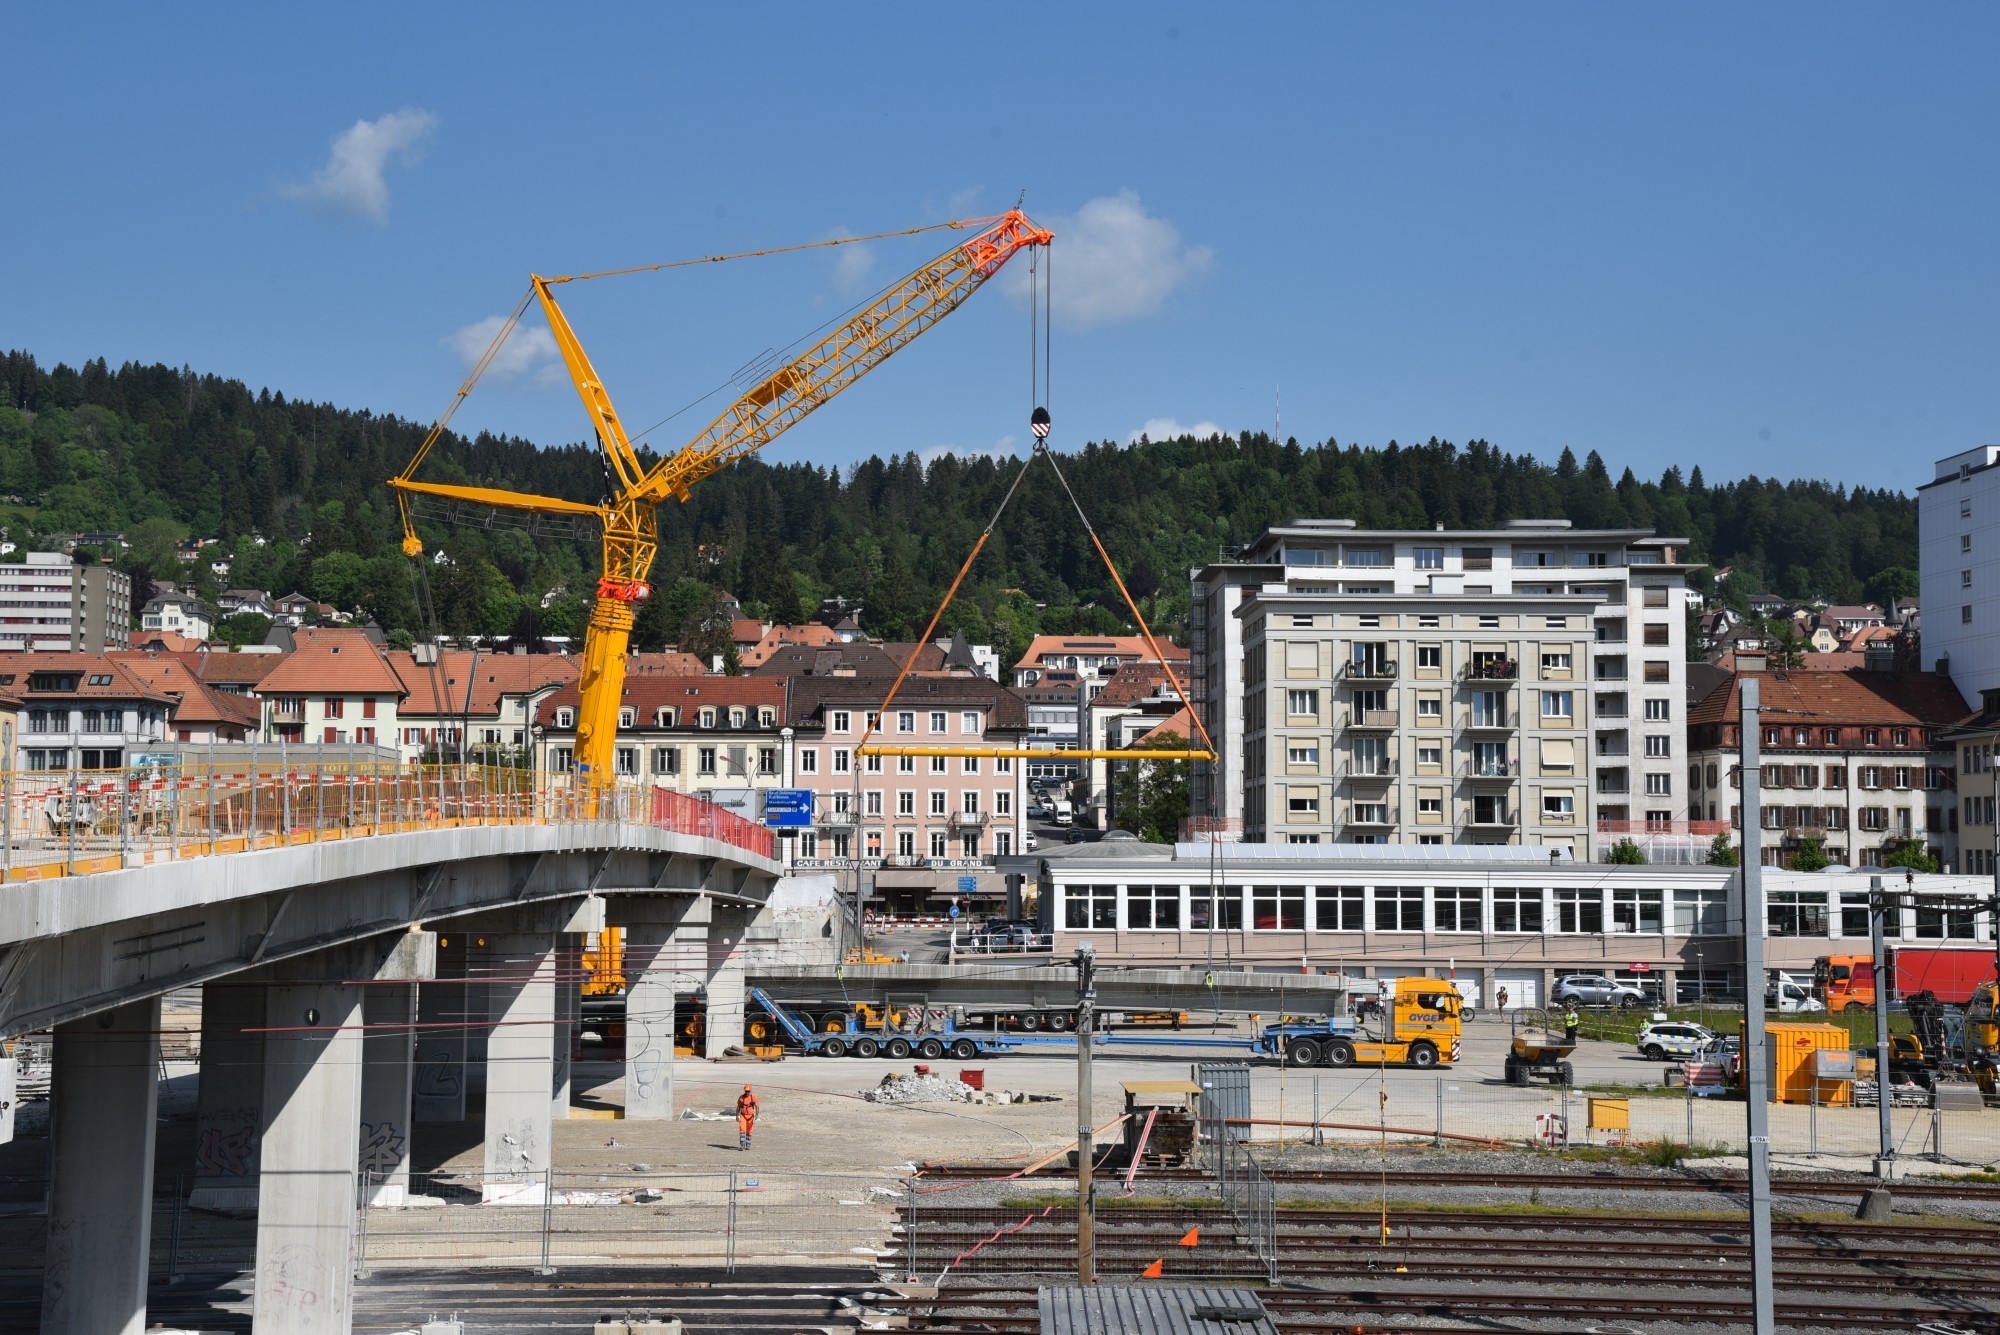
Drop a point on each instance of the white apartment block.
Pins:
(1519, 685)
(1958, 558)
(50, 603)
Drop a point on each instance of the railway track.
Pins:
(1719, 1184)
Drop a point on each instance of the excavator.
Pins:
(760, 415)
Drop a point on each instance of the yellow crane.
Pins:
(769, 408)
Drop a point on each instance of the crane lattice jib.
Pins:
(843, 356)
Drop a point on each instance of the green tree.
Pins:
(1721, 853)
(705, 633)
(243, 628)
(1912, 854)
(1625, 853)
(1150, 797)
(1810, 857)
(1888, 584)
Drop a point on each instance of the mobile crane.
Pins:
(775, 404)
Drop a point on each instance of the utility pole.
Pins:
(1086, 1205)
(1756, 1077)
(1878, 911)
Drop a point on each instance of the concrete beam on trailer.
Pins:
(102, 1099)
(1000, 984)
(313, 1076)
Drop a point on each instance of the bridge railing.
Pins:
(65, 823)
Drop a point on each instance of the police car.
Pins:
(1674, 1038)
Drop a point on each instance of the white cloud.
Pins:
(529, 351)
(1002, 448)
(1113, 261)
(851, 265)
(352, 181)
(1166, 428)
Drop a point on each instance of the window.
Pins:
(1430, 754)
(1703, 912)
(1280, 908)
(842, 721)
(871, 802)
(705, 760)
(1003, 802)
(1558, 704)
(628, 760)
(1428, 622)
(1430, 806)
(1558, 808)
(736, 716)
(1430, 707)
(1657, 672)
(1302, 807)
(707, 717)
(1489, 623)
(1796, 912)
(1656, 636)
(1656, 711)
(937, 721)
(1901, 736)
(1302, 704)
(767, 760)
(1302, 623)
(1003, 764)
(1003, 844)
(1580, 912)
(1153, 906)
(1429, 558)
(1338, 908)
(1516, 910)
(666, 760)
(1965, 542)
(1455, 908)
(1430, 656)
(809, 760)
(939, 765)
(1659, 785)
(1871, 736)
(1399, 908)
(368, 707)
(1965, 507)
(906, 802)
(968, 764)
(968, 722)
(1636, 909)
(937, 802)
(904, 764)
(1940, 923)
(1965, 579)
(1302, 755)
(969, 802)
(843, 760)
(906, 720)
(335, 706)
(1965, 614)
(1556, 663)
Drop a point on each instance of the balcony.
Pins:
(1491, 669)
(1488, 721)
(1619, 752)
(1491, 820)
(1613, 787)
(1369, 669)
(1496, 771)
(836, 819)
(1372, 720)
(970, 820)
(1370, 816)
(1380, 770)
(1794, 834)
(1609, 672)
(288, 710)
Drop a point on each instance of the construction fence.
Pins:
(239, 798)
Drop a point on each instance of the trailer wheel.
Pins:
(898, 1048)
(866, 1047)
(1339, 1053)
(1301, 1052)
(964, 1050)
(833, 1047)
(1423, 1056)
(1028, 1022)
(1061, 1022)
(930, 1049)
(1565, 1074)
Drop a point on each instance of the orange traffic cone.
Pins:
(1193, 1237)
(1155, 1270)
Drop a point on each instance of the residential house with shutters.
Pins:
(335, 686)
(717, 738)
(489, 701)
(81, 711)
(198, 714)
(1136, 699)
(1857, 761)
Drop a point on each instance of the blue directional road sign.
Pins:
(967, 884)
(788, 808)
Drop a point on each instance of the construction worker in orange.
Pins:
(746, 1117)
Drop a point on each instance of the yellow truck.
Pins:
(1419, 1027)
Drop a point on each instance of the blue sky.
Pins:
(1757, 239)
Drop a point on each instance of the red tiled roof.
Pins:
(124, 685)
(193, 702)
(440, 691)
(672, 663)
(1125, 646)
(332, 661)
(1921, 698)
(1180, 723)
(810, 635)
(219, 666)
(1133, 682)
(744, 630)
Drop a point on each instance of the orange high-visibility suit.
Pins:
(746, 1117)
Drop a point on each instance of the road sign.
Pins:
(954, 910)
(788, 808)
(968, 884)
(1642, 967)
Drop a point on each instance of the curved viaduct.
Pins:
(353, 982)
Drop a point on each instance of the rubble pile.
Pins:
(920, 1089)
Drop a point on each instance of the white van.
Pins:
(1788, 994)
(1064, 815)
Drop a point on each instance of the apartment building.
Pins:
(48, 602)
(1856, 761)
(717, 738)
(918, 826)
(81, 711)
(1138, 698)
(177, 613)
(1517, 685)
(488, 702)
(334, 686)
(1958, 558)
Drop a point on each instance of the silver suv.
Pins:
(1594, 989)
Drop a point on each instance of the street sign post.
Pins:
(788, 808)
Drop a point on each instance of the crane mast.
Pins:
(759, 416)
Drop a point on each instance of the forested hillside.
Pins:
(162, 454)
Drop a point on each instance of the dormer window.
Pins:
(707, 717)
(565, 718)
(663, 717)
(767, 718)
(627, 717)
(736, 716)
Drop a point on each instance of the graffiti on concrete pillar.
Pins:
(226, 1144)
(646, 1066)
(382, 1145)
(438, 1073)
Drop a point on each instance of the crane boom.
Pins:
(776, 404)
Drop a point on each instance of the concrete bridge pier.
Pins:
(445, 1019)
(728, 931)
(313, 1078)
(102, 1099)
(518, 969)
(666, 955)
(388, 1087)
(229, 1113)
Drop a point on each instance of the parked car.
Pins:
(1036, 811)
(1028, 841)
(1673, 1038)
(1594, 989)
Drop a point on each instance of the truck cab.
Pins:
(1419, 1026)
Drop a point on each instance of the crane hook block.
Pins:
(413, 546)
(624, 591)
(1039, 423)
